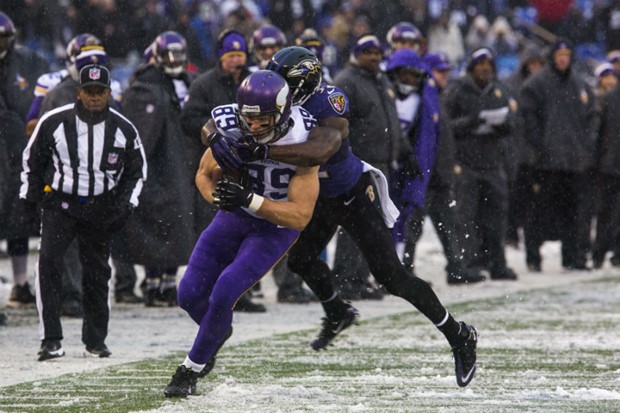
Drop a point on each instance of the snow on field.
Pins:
(137, 333)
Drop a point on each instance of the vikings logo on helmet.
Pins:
(304, 69)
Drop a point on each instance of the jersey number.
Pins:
(276, 180)
(225, 118)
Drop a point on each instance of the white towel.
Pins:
(389, 210)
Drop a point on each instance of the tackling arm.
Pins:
(323, 142)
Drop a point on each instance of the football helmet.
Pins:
(7, 35)
(170, 52)
(311, 40)
(404, 31)
(301, 69)
(90, 50)
(267, 36)
(264, 97)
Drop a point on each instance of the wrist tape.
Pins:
(255, 203)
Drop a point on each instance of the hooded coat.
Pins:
(159, 232)
(19, 71)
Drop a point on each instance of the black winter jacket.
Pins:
(559, 120)
(374, 127)
(476, 147)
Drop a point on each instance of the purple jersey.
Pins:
(342, 171)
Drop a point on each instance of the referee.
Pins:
(85, 165)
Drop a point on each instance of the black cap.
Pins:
(94, 75)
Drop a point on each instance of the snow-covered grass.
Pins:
(554, 349)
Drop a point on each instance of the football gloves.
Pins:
(230, 194)
(223, 152)
(230, 154)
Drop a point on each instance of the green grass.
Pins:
(555, 350)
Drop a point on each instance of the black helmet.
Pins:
(300, 68)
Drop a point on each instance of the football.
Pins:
(217, 174)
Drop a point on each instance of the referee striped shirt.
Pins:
(84, 154)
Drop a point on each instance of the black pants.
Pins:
(607, 217)
(362, 220)
(64, 220)
(483, 208)
(442, 211)
(556, 213)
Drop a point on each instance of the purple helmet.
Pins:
(403, 31)
(88, 48)
(7, 35)
(264, 94)
(79, 42)
(147, 55)
(267, 36)
(170, 52)
(311, 40)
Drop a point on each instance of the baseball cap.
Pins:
(94, 75)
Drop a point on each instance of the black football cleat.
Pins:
(99, 351)
(183, 383)
(334, 326)
(465, 356)
(50, 349)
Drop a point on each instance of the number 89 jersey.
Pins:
(270, 178)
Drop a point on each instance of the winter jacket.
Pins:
(559, 120)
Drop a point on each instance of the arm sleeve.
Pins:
(135, 170)
(35, 160)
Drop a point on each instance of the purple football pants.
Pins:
(231, 255)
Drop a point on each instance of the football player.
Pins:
(260, 217)
(353, 194)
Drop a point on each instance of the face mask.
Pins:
(404, 89)
(173, 71)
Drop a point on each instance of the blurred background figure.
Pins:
(265, 42)
(20, 68)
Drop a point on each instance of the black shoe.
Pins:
(50, 349)
(465, 356)
(211, 363)
(615, 260)
(334, 326)
(503, 274)
(72, 308)
(21, 295)
(182, 384)
(296, 295)
(100, 351)
(247, 306)
(151, 297)
(3, 319)
(465, 276)
(128, 298)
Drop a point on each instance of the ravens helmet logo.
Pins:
(304, 69)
